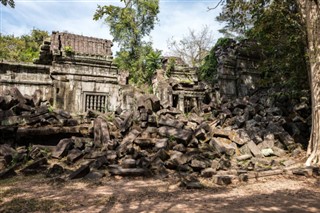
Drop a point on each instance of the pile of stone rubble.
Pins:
(233, 139)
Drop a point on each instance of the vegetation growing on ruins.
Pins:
(288, 31)
(277, 27)
(208, 68)
(129, 26)
(23, 48)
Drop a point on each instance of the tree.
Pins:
(192, 48)
(129, 25)
(23, 48)
(311, 14)
(240, 15)
(8, 2)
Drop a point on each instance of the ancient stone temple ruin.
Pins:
(237, 71)
(73, 72)
(76, 73)
(179, 86)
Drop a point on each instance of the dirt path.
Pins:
(276, 194)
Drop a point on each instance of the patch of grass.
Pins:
(10, 181)
(28, 205)
(11, 192)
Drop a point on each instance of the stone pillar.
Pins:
(181, 103)
(194, 103)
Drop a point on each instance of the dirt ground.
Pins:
(273, 194)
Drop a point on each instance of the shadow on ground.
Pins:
(35, 194)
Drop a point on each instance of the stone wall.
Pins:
(74, 80)
(181, 89)
(27, 78)
(80, 45)
(237, 69)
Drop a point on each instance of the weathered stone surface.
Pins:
(208, 172)
(81, 172)
(179, 147)
(127, 121)
(55, 170)
(62, 148)
(161, 143)
(181, 134)
(278, 152)
(165, 121)
(200, 134)
(35, 167)
(176, 159)
(36, 153)
(94, 175)
(308, 172)
(244, 157)
(128, 171)
(267, 152)
(223, 146)
(254, 149)
(99, 162)
(222, 180)
(144, 142)
(163, 155)
(6, 149)
(101, 131)
(193, 185)
(269, 173)
(127, 142)
(198, 164)
(74, 155)
(287, 140)
(128, 163)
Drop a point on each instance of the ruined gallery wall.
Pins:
(74, 81)
(238, 69)
(27, 78)
(81, 45)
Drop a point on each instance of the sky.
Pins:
(176, 17)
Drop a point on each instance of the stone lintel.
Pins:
(26, 82)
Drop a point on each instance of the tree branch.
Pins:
(215, 7)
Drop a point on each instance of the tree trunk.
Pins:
(311, 14)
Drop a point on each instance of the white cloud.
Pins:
(76, 16)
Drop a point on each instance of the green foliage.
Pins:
(240, 15)
(208, 69)
(283, 45)
(170, 66)
(68, 50)
(278, 29)
(24, 48)
(128, 26)
(142, 68)
(8, 2)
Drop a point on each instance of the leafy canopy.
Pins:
(129, 25)
(8, 2)
(23, 48)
